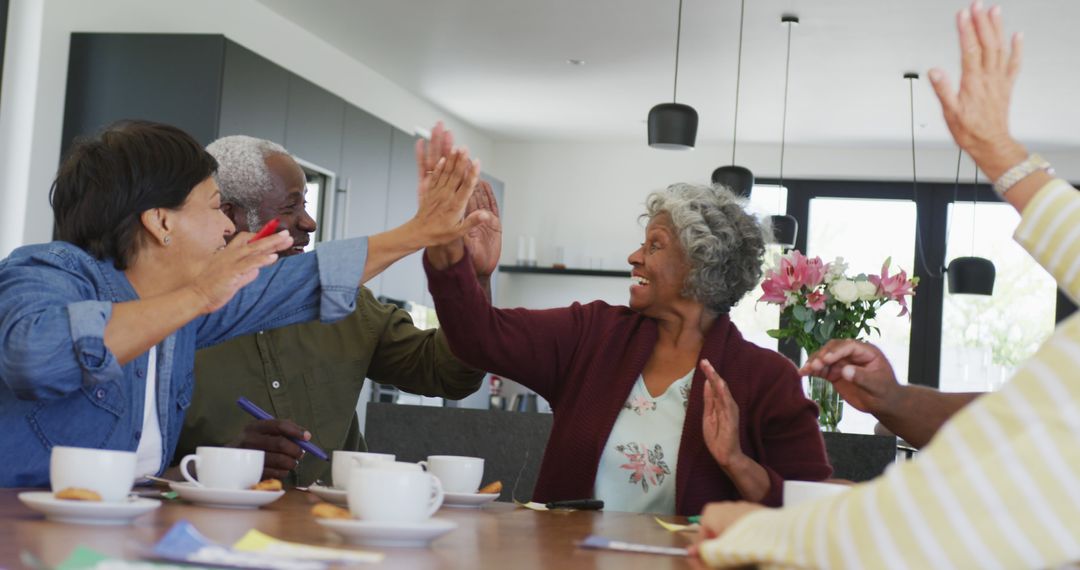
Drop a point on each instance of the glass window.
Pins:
(753, 318)
(865, 232)
(984, 338)
(315, 183)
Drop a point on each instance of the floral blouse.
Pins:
(637, 466)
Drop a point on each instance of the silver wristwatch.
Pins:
(1017, 173)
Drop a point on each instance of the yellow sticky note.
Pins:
(672, 527)
(532, 505)
(255, 541)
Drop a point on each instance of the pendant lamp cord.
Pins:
(915, 184)
(783, 121)
(678, 40)
(974, 207)
(738, 78)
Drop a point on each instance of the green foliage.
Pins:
(811, 329)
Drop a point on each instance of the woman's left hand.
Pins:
(720, 423)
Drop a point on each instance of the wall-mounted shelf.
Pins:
(568, 271)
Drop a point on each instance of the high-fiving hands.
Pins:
(484, 241)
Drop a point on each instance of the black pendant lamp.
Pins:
(970, 275)
(785, 227)
(738, 179)
(673, 126)
(966, 275)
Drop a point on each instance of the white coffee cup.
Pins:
(106, 472)
(344, 462)
(457, 474)
(798, 492)
(224, 467)
(388, 494)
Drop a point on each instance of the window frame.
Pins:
(4, 4)
(931, 209)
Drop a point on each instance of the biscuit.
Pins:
(328, 511)
(491, 488)
(77, 494)
(268, 485)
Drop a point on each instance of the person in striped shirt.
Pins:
(999, 484)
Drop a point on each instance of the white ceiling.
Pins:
(501, 64)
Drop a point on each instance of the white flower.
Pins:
(836, 270)
(867, 290)
(844, 291)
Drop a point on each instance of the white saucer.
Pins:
(87, 512)
(371, 533)
(225, 498)
(330, 494)
(468, 500)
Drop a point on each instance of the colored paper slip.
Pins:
(675, 527)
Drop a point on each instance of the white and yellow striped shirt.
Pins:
(998, 487)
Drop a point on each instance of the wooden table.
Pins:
(498, 536)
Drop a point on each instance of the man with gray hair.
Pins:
(311, 374)
(261, 182)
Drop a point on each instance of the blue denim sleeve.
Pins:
(52, 333)
(321, 285)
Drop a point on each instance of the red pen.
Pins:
(266, 230)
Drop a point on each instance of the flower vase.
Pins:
(830, 406)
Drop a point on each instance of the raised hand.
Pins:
(444, 197)
(272, 436)
(236, 265)
(485, 240)
(859, 371)
(428, 153)
(720, 422)
(978, 114)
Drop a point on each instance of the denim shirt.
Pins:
(60, 384)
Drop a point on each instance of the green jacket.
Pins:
(312, 373)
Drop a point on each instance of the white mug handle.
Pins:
(184, 470)
(423, 465)
(437, 495)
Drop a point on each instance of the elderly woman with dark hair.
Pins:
(98, 331)
(661, 406)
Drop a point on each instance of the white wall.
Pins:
(587, 199)
(35, 69)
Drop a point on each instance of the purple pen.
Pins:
(259, 413)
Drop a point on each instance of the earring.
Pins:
(166, 240)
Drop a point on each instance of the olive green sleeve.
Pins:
(414, 360)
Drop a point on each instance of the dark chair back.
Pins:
(511, 443)
(859, 457)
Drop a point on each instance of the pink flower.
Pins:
(815, 301)
(814, 273)
(795, 272)
(896, 288)
(772, 291)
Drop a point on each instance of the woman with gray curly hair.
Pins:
(660, 406)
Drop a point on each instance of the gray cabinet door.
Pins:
(313, 124)
(254, 96)
(167, 78)
(405, 279)
(365, 174)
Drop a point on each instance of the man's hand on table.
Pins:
(272, 436)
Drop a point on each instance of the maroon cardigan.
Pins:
(584, 360)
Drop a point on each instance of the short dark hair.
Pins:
(107, 181)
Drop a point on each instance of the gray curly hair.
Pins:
(724, 243)
(242, 174)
